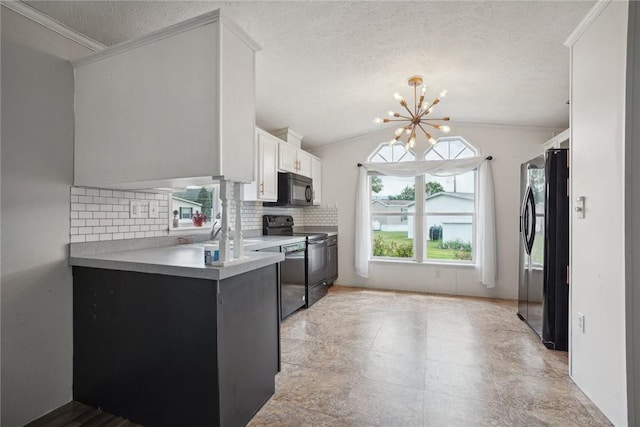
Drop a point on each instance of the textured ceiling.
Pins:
(328, 68)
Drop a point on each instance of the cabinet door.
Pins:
(267, 168)
(304, 163)
(288, 158)
(316, 176)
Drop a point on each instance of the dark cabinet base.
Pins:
(167, 351)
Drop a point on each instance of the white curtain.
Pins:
(486, 256)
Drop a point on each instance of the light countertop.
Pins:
(186, 260)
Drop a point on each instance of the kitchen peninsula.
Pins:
(164, 340)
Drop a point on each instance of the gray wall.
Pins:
(36, 174)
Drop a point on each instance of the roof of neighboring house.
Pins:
(187, 201)
(395, 202)
(465, 196)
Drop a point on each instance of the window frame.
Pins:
(215, 202)
(474, 215)
(420, 215)
(390, 214)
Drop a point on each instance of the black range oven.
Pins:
(314, 273)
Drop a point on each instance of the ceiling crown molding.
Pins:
(50, 23)
(586, 22)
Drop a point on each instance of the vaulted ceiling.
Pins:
(328, 68)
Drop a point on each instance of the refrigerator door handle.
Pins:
(529, 219)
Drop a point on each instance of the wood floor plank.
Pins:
(76, 414)
(62, 416)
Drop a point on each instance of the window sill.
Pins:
(423, 263)
(189, 230)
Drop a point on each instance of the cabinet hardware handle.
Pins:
(262, 187)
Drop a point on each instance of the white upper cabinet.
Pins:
(265, 187)
(304, 163)
(316, 176)
(292, 159)
(288, 158)
(171, 109)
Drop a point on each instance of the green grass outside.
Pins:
(433, 246)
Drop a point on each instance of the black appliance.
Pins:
(293, 190)
(543, 291)
(314, 275)
(332, 259)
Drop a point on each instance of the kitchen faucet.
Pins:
(214, 233)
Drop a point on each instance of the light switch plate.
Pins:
(153, 209)
(134, 209)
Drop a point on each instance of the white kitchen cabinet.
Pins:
(304, 163)
(174, 108)
(287, 158)
(292, 159)
(265, 187)
(316, 176)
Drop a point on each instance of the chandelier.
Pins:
(417, 118)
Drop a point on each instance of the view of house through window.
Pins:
(392, 207)
(448, 207)
(194, 207)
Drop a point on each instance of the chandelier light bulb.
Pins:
(406, 147)
(432, 141)
(399, 131)
(412, 142)
(429, 110)
(424, 90)
(393, 141)
(408, 131)
(377, 120)
(443, 93)
(391, 113)
(445, 129)
(398, 97)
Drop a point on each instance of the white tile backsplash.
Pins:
(103, 214)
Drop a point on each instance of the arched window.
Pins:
(392, 206)
(450, 208)
(391, 153)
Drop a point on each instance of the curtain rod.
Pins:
(488, 158)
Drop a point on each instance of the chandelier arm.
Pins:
(444, 119)
(433, 126)
(426, 111)
(426, 134)
(407, 108)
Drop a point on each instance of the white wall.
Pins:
(598, 362)
(37, 171)
(510, 146)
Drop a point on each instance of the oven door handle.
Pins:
(318, 242)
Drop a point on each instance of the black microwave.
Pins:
(293, 190)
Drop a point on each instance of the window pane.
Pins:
(193, 207)
(449, 237)
(392, 191)
(392, 236)
(463, 183)
(392, 153)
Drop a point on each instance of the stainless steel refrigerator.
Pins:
(543, 292)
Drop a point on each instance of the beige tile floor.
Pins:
(376, 358)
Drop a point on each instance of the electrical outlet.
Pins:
(134, 209)
(581, 322)
(437, 273)
(153, 209)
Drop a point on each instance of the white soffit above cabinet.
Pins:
(328, 68)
